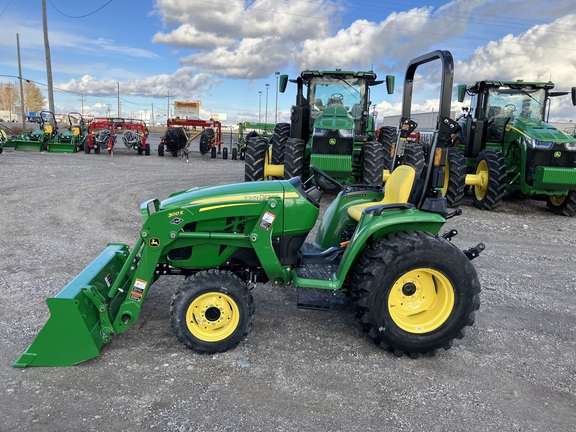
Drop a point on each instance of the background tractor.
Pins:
(247, 130)
(330, 127)
(105, 131)
(509, 147)
(414, 291)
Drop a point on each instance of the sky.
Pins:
(224, 52)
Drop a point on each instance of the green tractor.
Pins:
(330, 127)
(414, 291)
(40, 139)
(255, 130)
(73, 138)
(509, 147)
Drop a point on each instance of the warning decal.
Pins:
(138, 290)
(267, 221)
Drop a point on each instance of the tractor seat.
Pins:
(396, 191)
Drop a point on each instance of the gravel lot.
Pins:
(298, 369)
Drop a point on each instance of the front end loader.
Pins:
(414, 291)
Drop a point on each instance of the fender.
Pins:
(372, 227)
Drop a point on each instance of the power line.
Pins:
(81, 16)
(5, 7)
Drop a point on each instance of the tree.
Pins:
(33, 97)
(8, 96)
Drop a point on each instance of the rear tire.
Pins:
(256, 155)
(234, 153)
(373, 163)
(225, 153)
(415, 293)
(455, 177)
(160, 149)
(212, 312)
(490, 164)
(294, 158)
(147, 150)
(564, 205)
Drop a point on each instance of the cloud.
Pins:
(180, 84)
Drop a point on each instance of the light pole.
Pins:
(266, 115)
(259, 106)
(277, 78)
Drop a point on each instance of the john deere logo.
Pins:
(557, 154)
(332, 141)
(154, 242)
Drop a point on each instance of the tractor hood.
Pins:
(248, 191)
(540, 131)
(334, 118)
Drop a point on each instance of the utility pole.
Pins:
(48, 61)
(276, 115)
(119, 115)
(168, 108)
(152, 114)
(21, 85)
(266, 114)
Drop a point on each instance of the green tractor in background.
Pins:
(509, 147)
(255, 130)
(330, 127)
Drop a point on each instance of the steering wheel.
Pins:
(337, 96)
(320, 176)
(510, 107)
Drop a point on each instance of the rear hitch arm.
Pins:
(474, 252)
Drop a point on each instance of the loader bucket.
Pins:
(79, 315)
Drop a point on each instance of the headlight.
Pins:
(539, 145)
(346, 133)
(571, 146)
(320, 132)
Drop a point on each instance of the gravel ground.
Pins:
(298, 369)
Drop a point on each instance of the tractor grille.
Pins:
(560, 161)
(342, 146)
(337, 166)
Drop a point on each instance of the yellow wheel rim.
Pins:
(421, 300)
(557, 200)
(482, 172)
(212, 317)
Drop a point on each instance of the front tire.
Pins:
(255, 159)
(491, 168)
(294, 158)
(373, 163)
(415, 293)
(454, 177)
(212, 312)
(281, 134)
(562, 205)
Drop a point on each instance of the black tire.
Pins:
(294, 158)
(256, 156)
(372, 163)
(212, 312)
(454, 177)
(415, 293)
(86, 148)
(225, 153)
(281, 134)
(488, 196)
(387, 138)
(564, 205)
(234, 153)
(213, 153)
(96, 148)
(206, 140)
(147, 150)
(175, 154)
(414, 157)
(243, 153)
(140, 151)
(160, 149)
